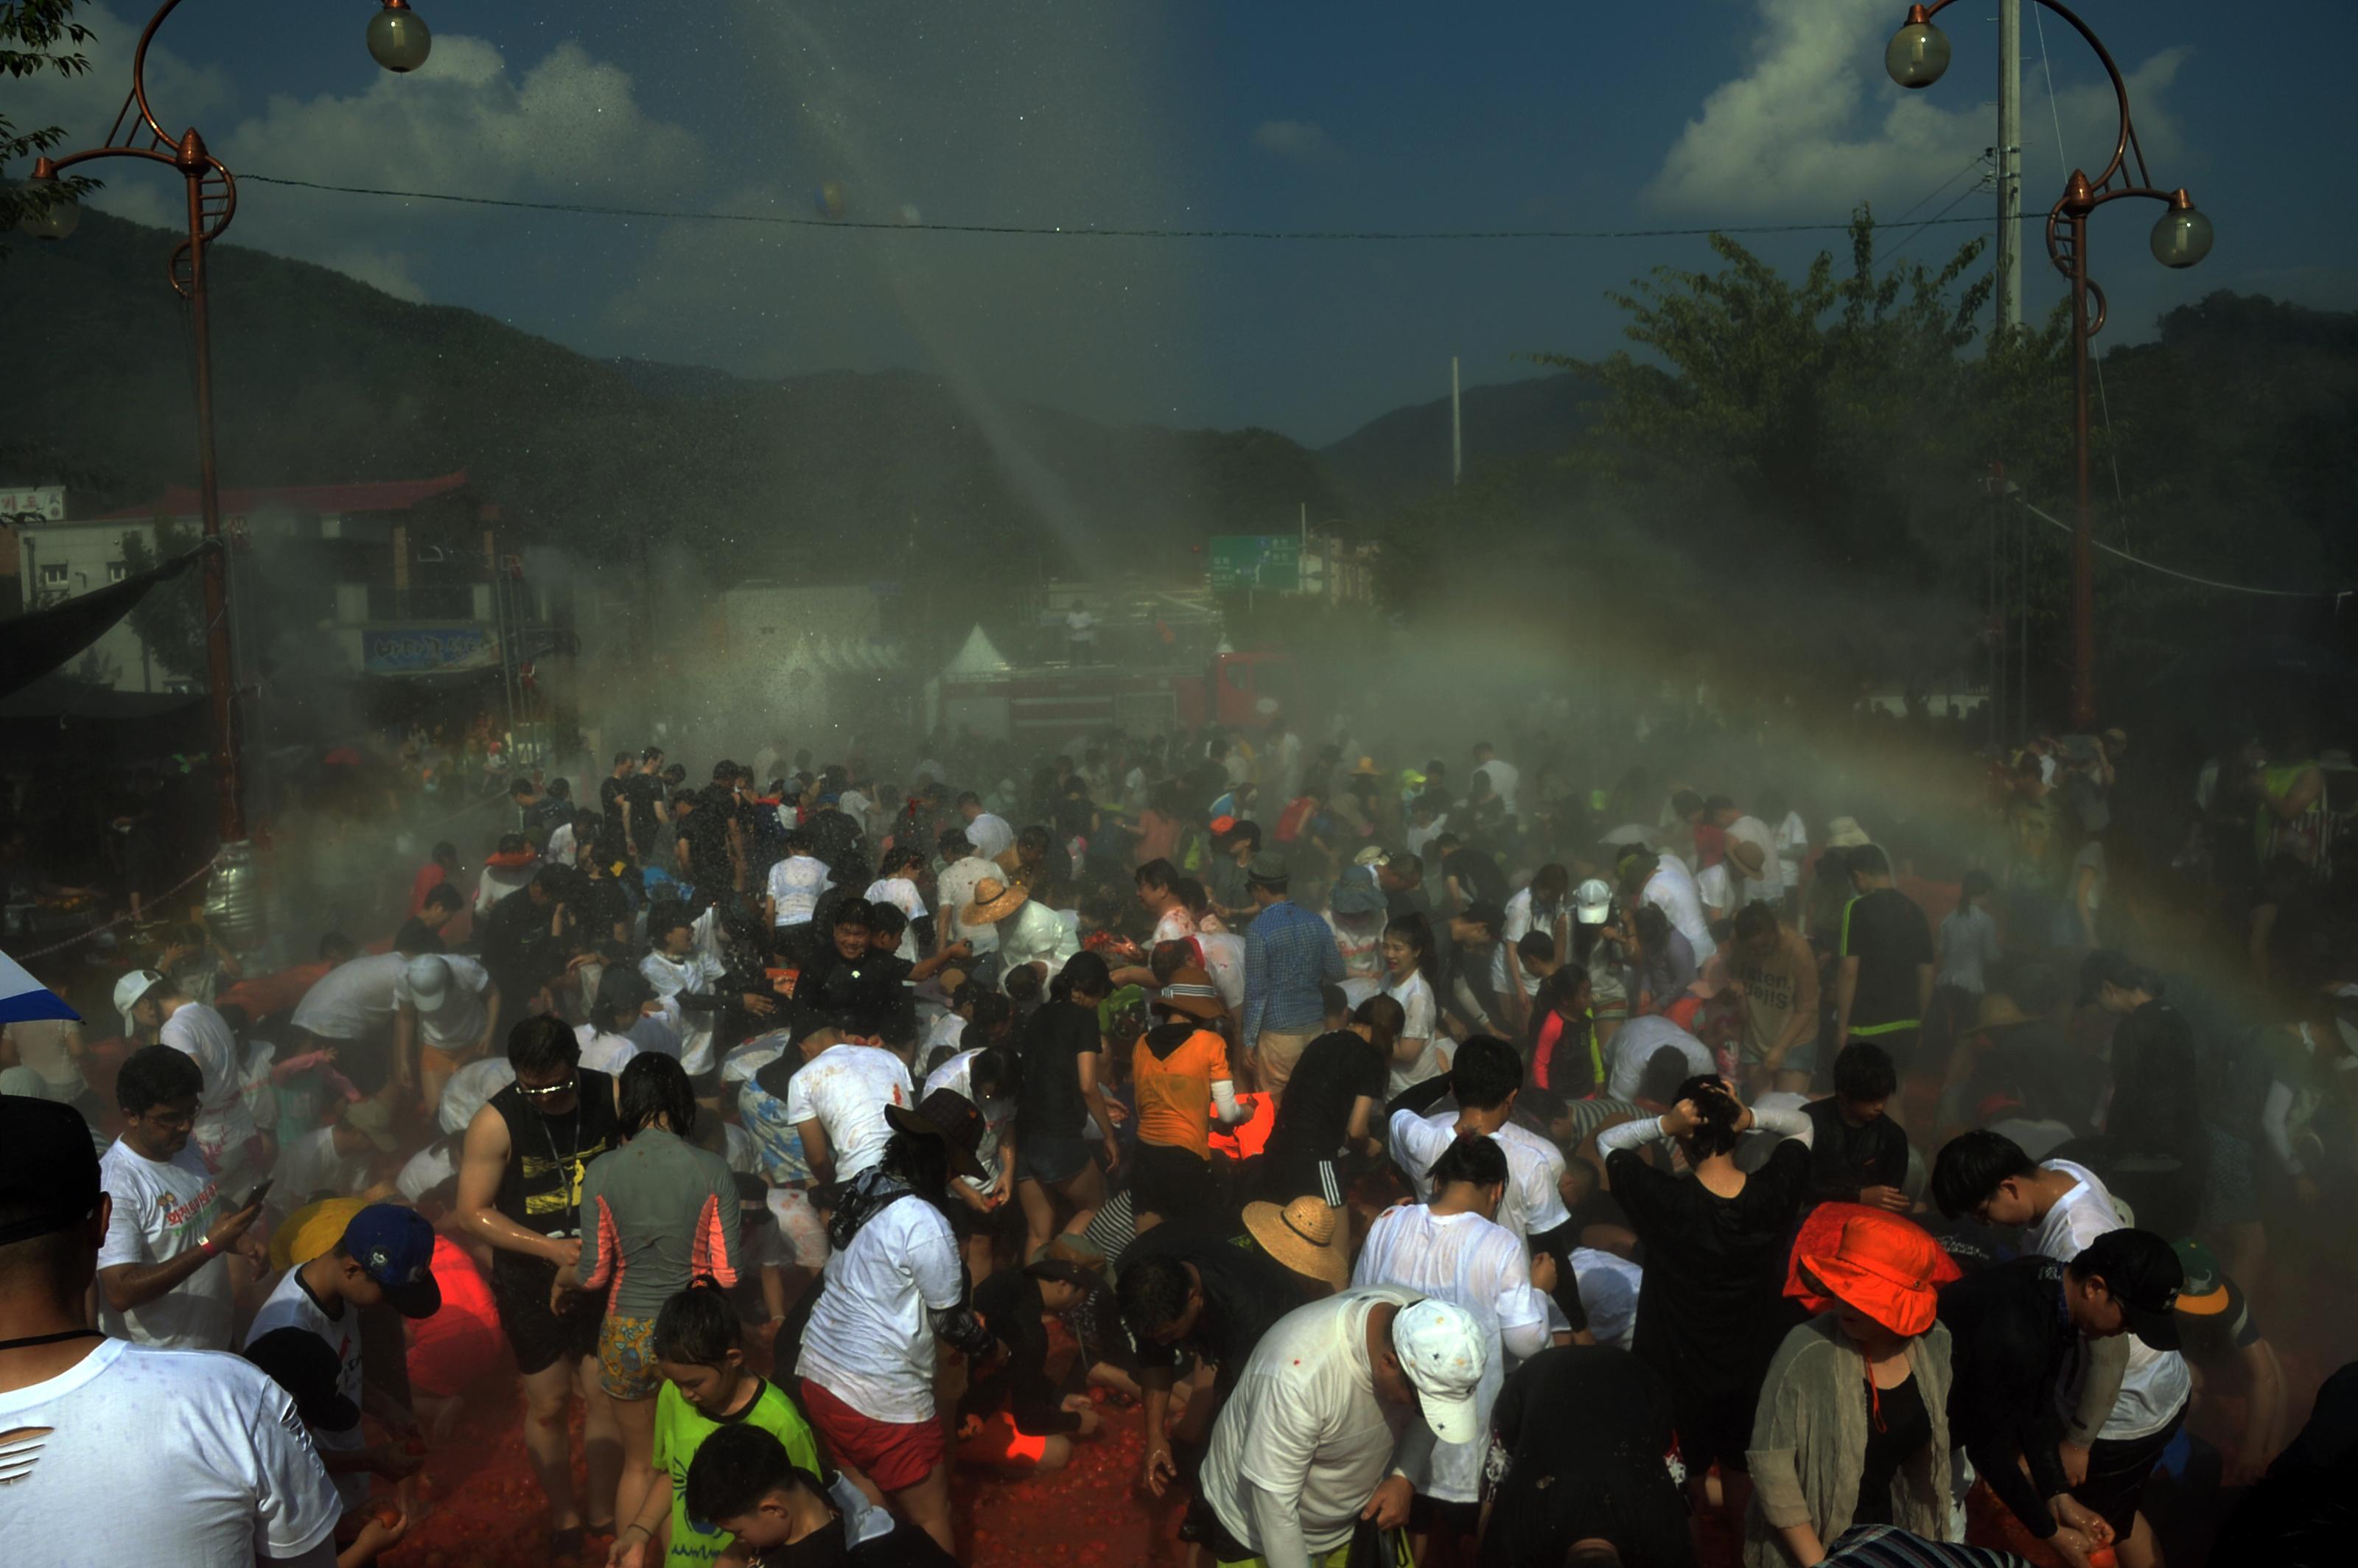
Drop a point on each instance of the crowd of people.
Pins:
(1435, 1164)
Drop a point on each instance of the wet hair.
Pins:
(884, 920)
(1753, 921)
(1977, 884)
(1242, 833)
(1970, 1167)
(1716, 1117)
(1686, 803)
(1552, 882)
(1488, 916)
(1021, 983)
(1864, 1072)
(1585, 1176)
(416, 937)
(992, 1071)
(1152, 1294)
(335, 947)
(1156, 873)
(1191, 893)
(442, 895)
(655, 1084)
(1653, 926)
(1084, 973)
(1333, 999)
(953, 845)
(1471, 1158)
(516, 786)
(1485, 1072)
(1034, 837)
(1383, 1014)
(666, 918)
(1414, 930)
(852, 912)
(621, 993)
(698, 1327)
(541, 1042)
(154, 1076)
(736, 1467)
(991, 1010)
(1665, 1071)
(899, 859)
(1166, 958)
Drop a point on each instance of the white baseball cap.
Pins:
(1592, 901)
(130, 991)
(1441, 1350)
(429, 981)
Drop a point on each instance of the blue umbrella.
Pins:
(23, 999)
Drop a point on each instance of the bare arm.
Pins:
(817, 1150)
(405, 1045)
(1085, 1062)
(129, 1285)
(482, 1160)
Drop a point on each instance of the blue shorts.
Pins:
(1802, 1058)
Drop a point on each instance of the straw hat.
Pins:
(1367, 769)
(1872, 1261)
(1301, 1235)
(1745, 856)
(1845, 833)
(994, 901)
(1191, 991)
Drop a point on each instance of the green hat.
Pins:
(2204, 1293)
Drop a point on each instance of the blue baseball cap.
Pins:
(395, 1247)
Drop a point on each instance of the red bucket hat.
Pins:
(1885, 1266)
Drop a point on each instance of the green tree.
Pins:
(31, 34)
(171, 619)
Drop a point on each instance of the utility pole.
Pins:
(1457, 428)
(2009, 166)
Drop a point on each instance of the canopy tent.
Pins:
(32, 645)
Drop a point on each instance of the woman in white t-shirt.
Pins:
(895, 1288)
(897, 886)
(795, 883)
(1421, 1052)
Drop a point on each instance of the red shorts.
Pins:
(894, 1455)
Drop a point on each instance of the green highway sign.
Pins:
(1259, 562)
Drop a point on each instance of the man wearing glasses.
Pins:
(520, 1193)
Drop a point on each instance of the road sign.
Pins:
(1257, 563)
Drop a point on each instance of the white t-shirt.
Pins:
(155, 1456)
(871, 1338)
(1482, 1267)
(1634, 1044)
(1770, 885)
(1304, 1424)
(291, 1307)
(427, 1169)
(310, 1165)
(1173, 924)
(1415, 996)
(470, 1089)
(795, 883)
(562, 848)
(2155, 1384)
(1520, 923)
(161, 1210)
(351, 999)
(1609, 1294)
(459, 1020)
(1792, 843)
(499, 883)
(902, 895)
(1505, 780)
(1672, 889)
(845, 1089)
(1716, 889)
(1223, 960)
(607, 1054)
(223, 1120)
(955, 890)
(957, 1075)
(693, 976)
(1534, 1201)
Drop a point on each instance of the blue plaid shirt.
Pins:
(1290, 954)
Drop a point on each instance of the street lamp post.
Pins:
(1916, 55)
(399, 41)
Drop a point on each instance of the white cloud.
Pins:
(1302, 140)
(570, 128)
(1816, 125)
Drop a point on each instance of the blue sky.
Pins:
(1203, 113)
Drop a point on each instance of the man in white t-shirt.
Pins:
(967, 869)
(1505, 777)
(352, 1001)
(385, 1258)
(444, 1009)
(1450, 1249)
(116, 1451)
(335, 1161)
(2126, 1391)
(225, 1136)
(1485, 1079)
(1634, 1044)
(1669, 886)
(162, 1278)
(1763, 872)
(836, 1100)
(1339, 1403)
(987, 831)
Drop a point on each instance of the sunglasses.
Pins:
(552, 1091)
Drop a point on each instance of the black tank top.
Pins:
(541, 1188)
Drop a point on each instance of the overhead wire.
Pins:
(1058, 231)
(2336, 594)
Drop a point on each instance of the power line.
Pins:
(2336, 594)
(1059, 231)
